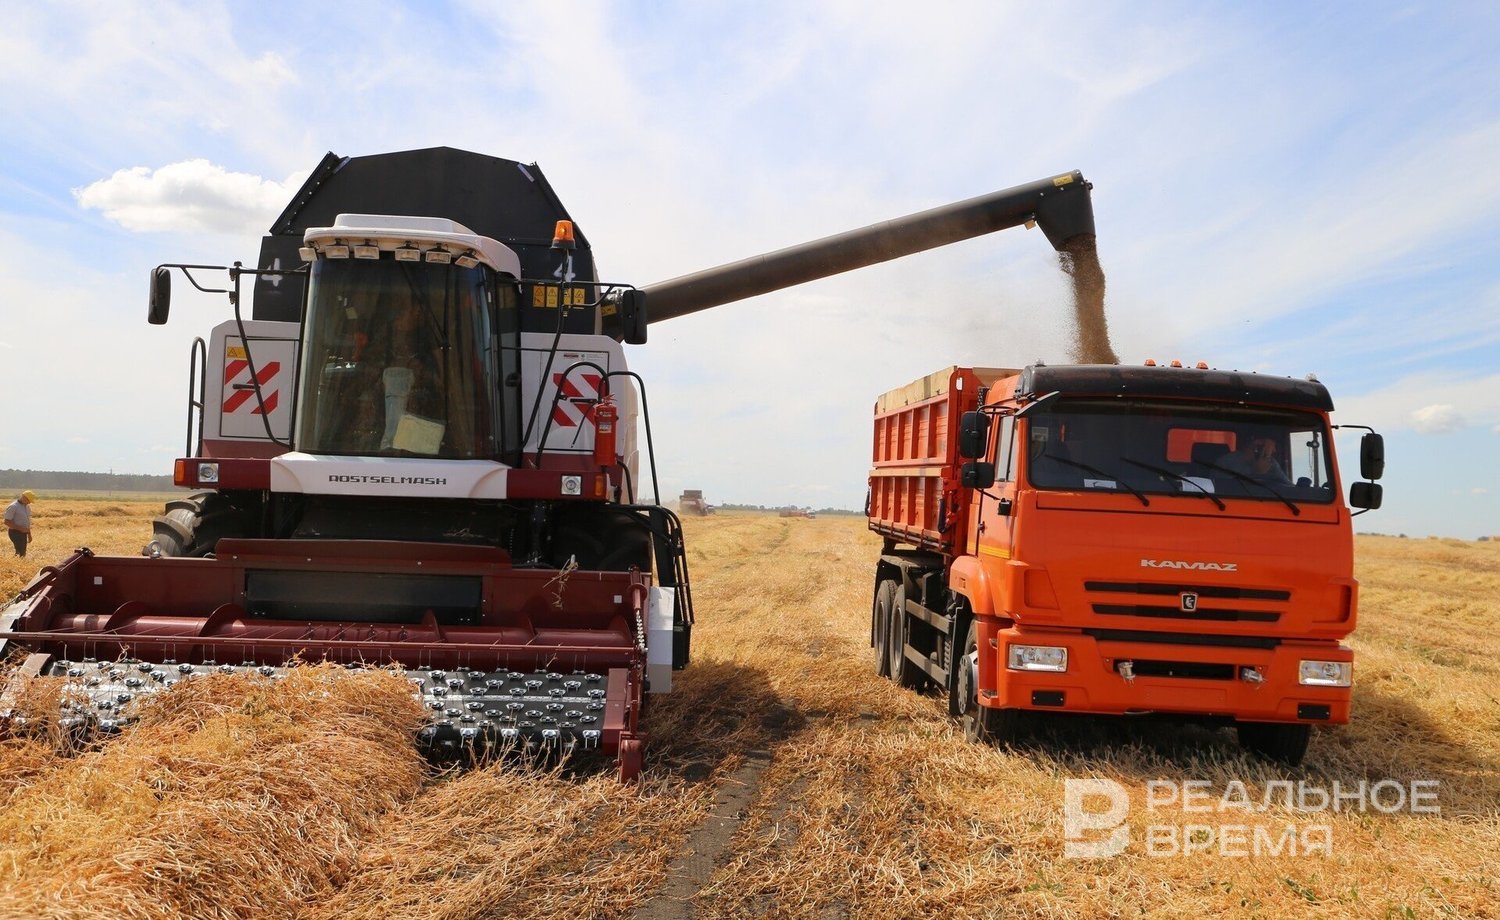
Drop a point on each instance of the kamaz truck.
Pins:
(1152, 540)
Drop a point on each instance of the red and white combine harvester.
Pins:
(422, 450)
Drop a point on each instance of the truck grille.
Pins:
(1196, 670)
(1208, 600)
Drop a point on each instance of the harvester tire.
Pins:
(602, 541)
(902, 669)
(880, 626)
(981, 724)
(1281, 742)
(192, 526)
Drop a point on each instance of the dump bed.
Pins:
(914, 478)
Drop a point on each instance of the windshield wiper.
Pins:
(1253, 481)
(1103, 475)
(1180, 478)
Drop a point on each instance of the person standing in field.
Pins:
(18, 521)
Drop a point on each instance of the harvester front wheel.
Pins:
(880, 626)
(1281, 742)
(192, 526)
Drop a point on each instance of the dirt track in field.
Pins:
(785, 780)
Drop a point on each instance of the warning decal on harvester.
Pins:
(237, 376)
(575, 405)
(240, 413)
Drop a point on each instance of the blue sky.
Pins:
(1278, 187)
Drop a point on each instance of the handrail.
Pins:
(197, 374)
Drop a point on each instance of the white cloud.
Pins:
(1425, 399)
(190, 196)
(6, 345)
(1479, 490)
(1437, 419)
(78, 440)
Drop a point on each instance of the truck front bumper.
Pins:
(1110, 677)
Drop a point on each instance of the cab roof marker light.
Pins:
(439, 255)
(368, 250)
(308, 253)
(1202, 365)
(1176, 363)
(469, 259)
(408, 253)
(1150, 362)
(338, 249)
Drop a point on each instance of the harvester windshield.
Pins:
(1180, 448)
(400, 358)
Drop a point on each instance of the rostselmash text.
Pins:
(391, 480)
(1179, 564)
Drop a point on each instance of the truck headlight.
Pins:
(208, 472)
(1037, 658)
(1325, 673)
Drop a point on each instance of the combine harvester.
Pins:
(692, 502)
(422, 450)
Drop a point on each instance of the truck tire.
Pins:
(192, 526)
(902, 670)
(981, 724)
(880, 626)
(1279, 741)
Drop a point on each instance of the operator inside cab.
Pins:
(404, 351)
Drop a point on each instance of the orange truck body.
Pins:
(1175, 586)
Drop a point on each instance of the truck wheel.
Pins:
(902, 670)
(192, 526)
(1278, 741)
(982, 724)
(880, 626)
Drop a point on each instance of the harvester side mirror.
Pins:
(1365, 495)
(633, 316)
(973, 435)
(1372, 458)
(976, 474)
(161, 296)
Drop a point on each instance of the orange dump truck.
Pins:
(1118, 540)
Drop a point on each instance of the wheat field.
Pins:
(783, 778)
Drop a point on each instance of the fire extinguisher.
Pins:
(605, 416)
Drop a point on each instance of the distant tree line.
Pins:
(16, 480)
(730, 507)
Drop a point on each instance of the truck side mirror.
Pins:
(1372, 458)
(633, 316)
(161, 296)
(974, 436)
(977, 474)
(1365, 495)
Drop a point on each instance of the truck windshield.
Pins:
(395, 361)
(1180, 448)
